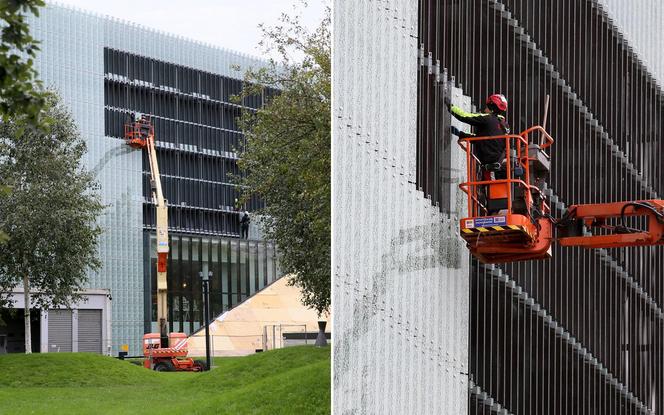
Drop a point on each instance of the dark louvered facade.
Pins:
(198, 140)
(197, 137)
(581, 333)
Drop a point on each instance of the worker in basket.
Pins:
(490, 122)
(144, 125)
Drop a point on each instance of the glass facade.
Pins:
(104, 67)
(239, 269)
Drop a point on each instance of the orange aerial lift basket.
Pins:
(138, 133)
(509, 219)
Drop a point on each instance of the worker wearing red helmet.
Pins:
(489, 123)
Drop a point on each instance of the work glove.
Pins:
(448, 102)
(456, 131)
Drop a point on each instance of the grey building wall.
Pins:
(71, 61)
(400, 271)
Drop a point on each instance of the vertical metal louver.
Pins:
(582, 332)
(89, 331)
(59, 331)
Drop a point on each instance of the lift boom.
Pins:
(596, 217)
(163, 351)
(140, 134)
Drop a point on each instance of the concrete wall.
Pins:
(400, 271)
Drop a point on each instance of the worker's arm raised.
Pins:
(475, 119)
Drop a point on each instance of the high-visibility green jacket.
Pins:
(485, 125)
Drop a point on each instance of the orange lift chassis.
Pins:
(163, 351)
(509, 219)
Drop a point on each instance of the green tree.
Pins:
(50, 215)
(286, 158)
(20, 92)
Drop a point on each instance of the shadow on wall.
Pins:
(108, 155)
(443, 252)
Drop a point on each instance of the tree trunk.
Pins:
(26, 314)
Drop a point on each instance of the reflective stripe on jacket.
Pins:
(486, 125)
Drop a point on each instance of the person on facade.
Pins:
(244, 224)
(490, 153)
(143, 125)
(490, 122)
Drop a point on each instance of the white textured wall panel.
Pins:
(400, 272)
(640, 22)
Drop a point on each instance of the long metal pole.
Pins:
(546, 111)
(206, 306)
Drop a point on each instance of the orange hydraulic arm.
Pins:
(140, 134)
(609, 223)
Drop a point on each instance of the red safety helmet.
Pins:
(498, 100)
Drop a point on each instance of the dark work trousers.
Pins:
(245, 231)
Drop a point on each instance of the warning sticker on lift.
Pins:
(484, 222)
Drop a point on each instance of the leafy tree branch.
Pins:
(286, 159)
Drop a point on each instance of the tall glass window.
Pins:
(270, 264)
(216, 297)
(174, 273)
(235, 274)
(262, 266)
(185, 315)
(153, 276)
(225, 274)
(239, 269)
(253, 268)
(244, 271)
(196, 285)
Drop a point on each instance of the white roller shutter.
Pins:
(89, 331)
(59, 331)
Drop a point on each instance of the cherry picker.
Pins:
(509, 219)
(163, 351)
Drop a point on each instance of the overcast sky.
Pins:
(231, 24)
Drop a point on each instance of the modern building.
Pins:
(581, 332)
(105, 69)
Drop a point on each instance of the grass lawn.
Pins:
(295, 380)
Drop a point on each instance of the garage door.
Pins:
(59, 330)
(89, 331)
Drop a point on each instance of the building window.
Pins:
(239, 268)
